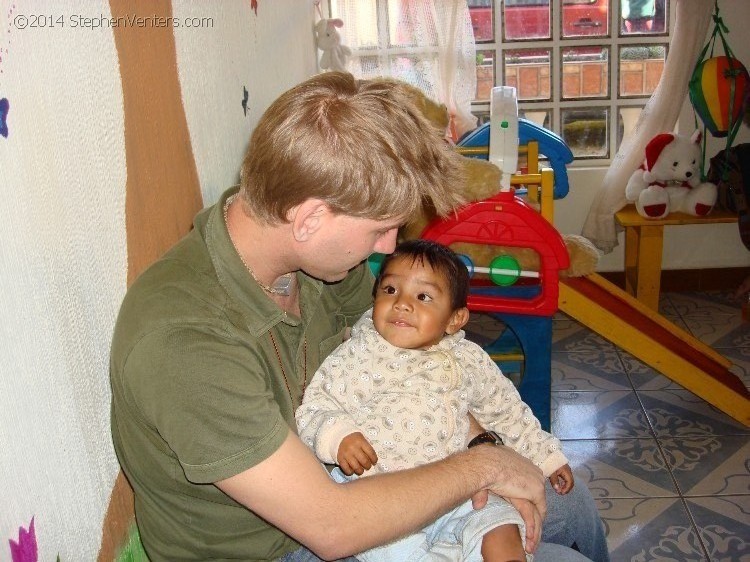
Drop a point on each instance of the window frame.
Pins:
(613, 41)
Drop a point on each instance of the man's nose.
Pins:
(386, 243)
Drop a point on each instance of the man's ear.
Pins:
(457, 321)
(307, 218)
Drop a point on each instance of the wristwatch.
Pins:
(487, 437)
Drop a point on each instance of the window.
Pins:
(583, 68)
(427, 43)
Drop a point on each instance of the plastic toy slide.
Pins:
(630, 325)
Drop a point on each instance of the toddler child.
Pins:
(399, 392)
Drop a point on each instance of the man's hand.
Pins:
(515, 476)
(519, 482)
(533, 520)
(355, 454)
(562, 480)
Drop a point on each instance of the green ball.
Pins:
(504, 263)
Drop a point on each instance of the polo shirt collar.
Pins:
(259, 311)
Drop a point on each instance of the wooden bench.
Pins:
(643, 248)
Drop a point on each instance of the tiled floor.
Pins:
(670, 473)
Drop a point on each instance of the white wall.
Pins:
(266, 54)
(63, 259)
(685, 247)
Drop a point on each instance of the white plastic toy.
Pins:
(504, 132)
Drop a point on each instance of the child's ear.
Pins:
(457, 321)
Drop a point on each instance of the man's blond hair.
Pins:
(362, 147)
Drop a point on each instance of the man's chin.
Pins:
(329, 277)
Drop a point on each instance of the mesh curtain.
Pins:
(427, 43)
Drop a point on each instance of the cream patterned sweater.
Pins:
(412, 405)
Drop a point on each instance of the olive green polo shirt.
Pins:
(199, 393)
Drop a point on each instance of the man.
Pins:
(215, 342)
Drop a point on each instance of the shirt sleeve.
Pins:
(208, 398)
(498, 406)
(329, 408)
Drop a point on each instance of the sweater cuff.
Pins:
(327, 446)
(552, 463)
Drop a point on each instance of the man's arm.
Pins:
(292, 491)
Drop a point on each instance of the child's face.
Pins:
(412, 307)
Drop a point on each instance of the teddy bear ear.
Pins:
(336, 22)
(696, 136)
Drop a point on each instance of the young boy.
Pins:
(397, 394)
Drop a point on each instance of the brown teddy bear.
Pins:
(482, 180)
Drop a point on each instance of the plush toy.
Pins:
(669, 179)
(482, 180)
(328, 40)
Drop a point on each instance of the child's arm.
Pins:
(327, 413)
(355, 454)
(562, 479)
(498, 406)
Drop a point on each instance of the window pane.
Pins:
(481, 12)
(640, 69)
(485, 74)
(526, 19)
(402, 24)
(415, 70)
(528, 70)
(627, 118)
(585, 72)
(643, 17)
(585, 18)
(586, 131)
(542, 117)
(361, 28)
(367, 67)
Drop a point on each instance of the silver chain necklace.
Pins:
(282, 286)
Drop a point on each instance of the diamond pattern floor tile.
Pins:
(680, 413)
(670, 474)
(601, 370)
(724, 526)
(621, 468)
(598, 415)
(650, 529)
(709, 465)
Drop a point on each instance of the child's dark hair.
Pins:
(440, 258)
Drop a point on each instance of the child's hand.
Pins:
(562, 480)
(355, 454)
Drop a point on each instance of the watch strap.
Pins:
(485, 437)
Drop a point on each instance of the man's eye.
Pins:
(424, 297)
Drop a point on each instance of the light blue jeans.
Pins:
(571, 520)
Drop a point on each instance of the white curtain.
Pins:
(660, 114)
(428, 43)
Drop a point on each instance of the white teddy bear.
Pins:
(328, 40)
(669, 180)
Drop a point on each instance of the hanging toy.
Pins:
(717, 92)
(718, 88)
(327, 38)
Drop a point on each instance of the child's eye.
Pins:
(389, 290)
(424, 297)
